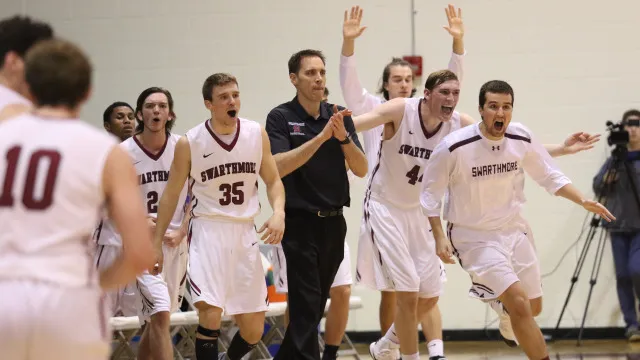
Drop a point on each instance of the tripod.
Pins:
(618, 157)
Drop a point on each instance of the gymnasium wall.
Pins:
(573, 66)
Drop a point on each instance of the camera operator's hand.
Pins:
(597, 208)
(580, 141)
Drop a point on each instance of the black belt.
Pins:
(329, 213)
(318, 213)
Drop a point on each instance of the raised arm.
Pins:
(439, 170)
(124, 205)
(287, 159)
(356, 97)
(456, 30)
(274, 227)
(178, 175)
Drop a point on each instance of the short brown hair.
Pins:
(439, 77)
(58, 73)
(295, 61)
(217, 79)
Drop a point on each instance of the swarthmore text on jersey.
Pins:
(415, 151)
(228, 169)
(494, 169)
(153, 176)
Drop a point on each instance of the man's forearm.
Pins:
(436, 227)
(348, 46)
(291, 160)
(572, 193)
(458, 46)
(356, 160)
(276, 195)
(555, 150)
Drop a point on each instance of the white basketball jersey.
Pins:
(51, 197)
(485, 178)
(153, 174)
(225, 176)
(397, 175)
(9, 97)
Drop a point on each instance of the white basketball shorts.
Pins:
(122, 301)
(225, 266)
(396, 251)
(343, 276)
(47, 321)
(163, 292)
(497, 259)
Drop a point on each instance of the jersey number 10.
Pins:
(52, 159)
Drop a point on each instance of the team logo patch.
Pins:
(296, 128)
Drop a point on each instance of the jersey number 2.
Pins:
(413, 175)
(231, 193)
(34, 167)
(152, 202)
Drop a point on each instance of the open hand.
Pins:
(597, 208)
(456, 27)
(273, 230)
(580, 141)
(351, 28)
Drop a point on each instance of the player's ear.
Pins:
(293, 78)
(107, 126)
(139, 115)
(426, 94)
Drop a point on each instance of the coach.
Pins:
(312, 150)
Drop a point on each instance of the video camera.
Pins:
(618, 135)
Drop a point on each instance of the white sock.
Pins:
(436, 348)
(415, 356)
(391, 335)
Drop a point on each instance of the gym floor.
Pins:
(592, 350)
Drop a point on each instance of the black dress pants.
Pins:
(313, 248)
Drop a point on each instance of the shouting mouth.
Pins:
(232, 113)
(498, 125)
(447, 110)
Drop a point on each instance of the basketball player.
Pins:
(17, 35)
(397, 81)
(486, 230)
(412, 128)
(58, 172)
(224, 156)
(119, 119)
(152, 150)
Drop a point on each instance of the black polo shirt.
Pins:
(322, 183)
